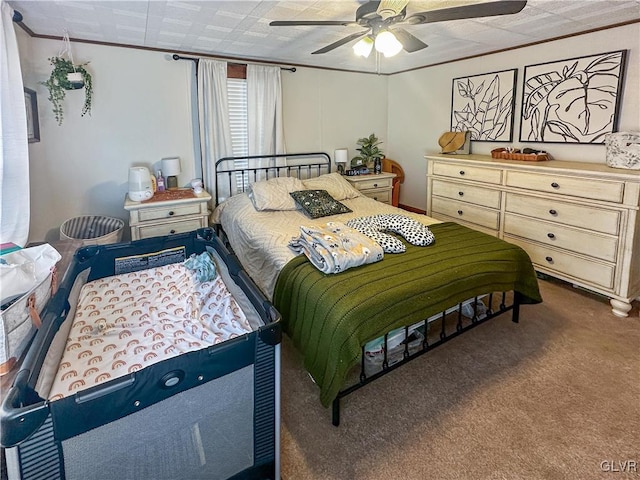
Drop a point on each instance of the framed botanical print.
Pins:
(483, 105)
(572, 101)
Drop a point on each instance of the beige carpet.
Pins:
(556, 396)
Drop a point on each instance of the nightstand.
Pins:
(377, 186)
(167, 213)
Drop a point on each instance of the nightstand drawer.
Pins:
(371, 183)
(148, 214)
(591, 218)
(585, 269)
(468, 193)
(467, 212)
(596, 189)
(465, 172)
(170, 228)
(382, 195)
(559, 236)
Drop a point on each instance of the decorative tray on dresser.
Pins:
(578, 221)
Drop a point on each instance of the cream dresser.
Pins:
(377, 186)
(578, 221)
(160, 217)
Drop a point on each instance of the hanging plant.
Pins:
(67, 76)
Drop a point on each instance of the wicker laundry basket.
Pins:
(92, 229)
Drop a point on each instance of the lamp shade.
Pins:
(387, 44)
(364, 46)
(171, 166)
(341, 157)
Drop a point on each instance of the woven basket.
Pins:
(92, 229)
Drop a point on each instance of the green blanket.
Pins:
(330, 317)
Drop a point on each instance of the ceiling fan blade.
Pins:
(489, 9)
(409, 42)
(391, 8)
(340, 42)
(295, 23)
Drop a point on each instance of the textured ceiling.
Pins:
(240, 29)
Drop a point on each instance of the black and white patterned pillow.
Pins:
(318, 203)
(375, 226)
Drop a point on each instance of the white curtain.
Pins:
(14, 152)
(264, 106)
(213, 111)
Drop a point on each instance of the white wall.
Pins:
(420, 103)
(325, 110)
(142, 112)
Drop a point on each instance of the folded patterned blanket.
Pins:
(334, 247)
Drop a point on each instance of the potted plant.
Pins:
(369, 151)
(67, 76)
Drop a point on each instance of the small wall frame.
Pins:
(572, 101)
(33, 124)
(483, 105)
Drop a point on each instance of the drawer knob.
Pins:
(172, 232)
(461, 194)
(459, 212)
(555, 185)
(171, 213)
(375, 184)
(375, 198)
(548, 259)
(551, 235)
(553, 212)
(461, 172)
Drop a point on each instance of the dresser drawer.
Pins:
(469, 193)
(467, 212)
(171, 228)
(146, 214)
(560, 236)
(596, 219)
(465, 172)
(586, 270)
(373, 183)
(382, 195)
(599, 189)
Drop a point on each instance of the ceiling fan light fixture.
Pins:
(364, 46)
(387, 44)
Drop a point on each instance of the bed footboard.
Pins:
(433, 332)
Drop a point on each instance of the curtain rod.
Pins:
(175, 56)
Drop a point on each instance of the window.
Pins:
(238, 118)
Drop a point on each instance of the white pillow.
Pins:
(334, 184)
(274, 194)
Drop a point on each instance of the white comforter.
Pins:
(260, 239)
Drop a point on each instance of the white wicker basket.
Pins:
(92, 229)
(623, 150)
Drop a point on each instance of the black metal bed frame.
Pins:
(297, 164)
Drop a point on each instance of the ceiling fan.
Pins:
(382, 16)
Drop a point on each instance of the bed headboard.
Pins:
(235, 174)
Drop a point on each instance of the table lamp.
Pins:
(171, 170)
(341, 156)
